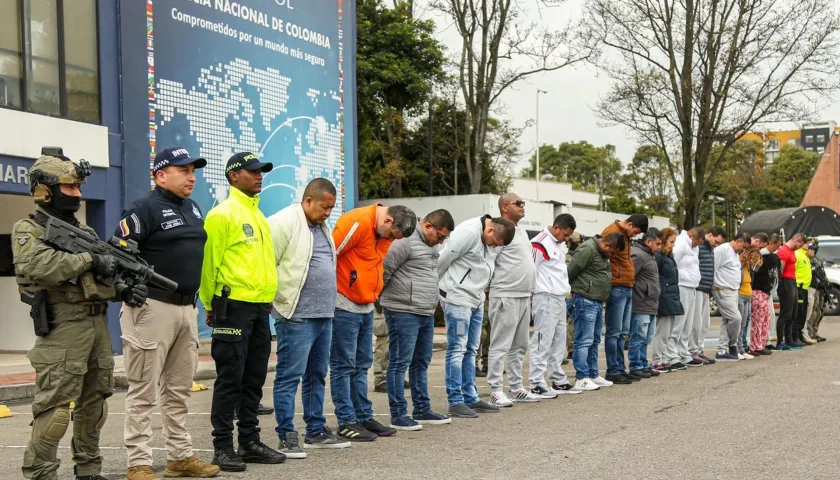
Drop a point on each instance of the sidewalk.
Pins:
(17, 377)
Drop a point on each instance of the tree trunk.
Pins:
(396, 190)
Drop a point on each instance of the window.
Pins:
(820, 138)
(809, 139)
(791, 141)
(772, 145)
(44, 67)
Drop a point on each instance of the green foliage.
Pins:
(647, 178)
(784, 183)
(579, 163)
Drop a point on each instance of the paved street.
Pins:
(773, 417)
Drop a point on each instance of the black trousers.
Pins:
(788, 304)
(241, 346)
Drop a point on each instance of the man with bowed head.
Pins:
(409, 299)
(362, 237)
(465, 267)
(303, 311)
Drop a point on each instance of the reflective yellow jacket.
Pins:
(239, 252)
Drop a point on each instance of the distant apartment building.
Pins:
(813, 137)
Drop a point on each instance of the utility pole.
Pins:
(600, 186)
(431, 147)
(538, 141)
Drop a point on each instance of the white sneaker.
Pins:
(741, 356)
(747, 356)
(499, 399)
(602, 382)
(523, 396)
(543, 392)
(586, 385)
(566, 389)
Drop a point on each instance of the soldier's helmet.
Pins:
(52, 169)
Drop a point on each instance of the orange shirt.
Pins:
(360, 253)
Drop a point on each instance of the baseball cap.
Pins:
(246, 161)
(178, 157)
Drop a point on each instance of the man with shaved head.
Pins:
(788, 294)
(510, 309)
(303, 311)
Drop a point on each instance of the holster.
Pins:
(220, 306)
(42, 316)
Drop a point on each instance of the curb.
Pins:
(26, 391)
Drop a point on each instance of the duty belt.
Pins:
(171, 297)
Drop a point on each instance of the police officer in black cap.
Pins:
(160, 337)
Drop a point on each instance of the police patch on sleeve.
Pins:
(124, 229)
(23, 238)
(196, 211)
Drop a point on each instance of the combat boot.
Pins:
(191, 467)
(141, 472)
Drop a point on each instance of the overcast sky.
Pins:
(566, 111)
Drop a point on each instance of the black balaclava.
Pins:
(63, 206)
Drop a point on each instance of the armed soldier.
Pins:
(72, 355)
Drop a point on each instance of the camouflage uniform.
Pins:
(484, 345)
(381, 348)
(74, 361)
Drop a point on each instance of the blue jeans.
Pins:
(303, 352)
(412, 339)
(351, 355)
(588, 319)
(463, 334)
(618, 324)
(642, 326)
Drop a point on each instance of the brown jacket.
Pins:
(623, 272)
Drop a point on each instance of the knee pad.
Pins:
(55, 422)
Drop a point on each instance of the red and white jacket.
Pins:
(550, 260)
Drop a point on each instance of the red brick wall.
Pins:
(824, 189)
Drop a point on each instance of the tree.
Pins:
(648, 180)
(694, 75)
(398, 64)
(494, 37)
(785, 182)
(582, 164)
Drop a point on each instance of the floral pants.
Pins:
(760, 327)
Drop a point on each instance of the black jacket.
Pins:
(669, 284)
(767, 275)
(707, 267)
(818, 278)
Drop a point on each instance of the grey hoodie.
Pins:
(465, 265)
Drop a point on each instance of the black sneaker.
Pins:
(633, 378)
(652, 372)
(462, 411)
(227, 460)
(381, 388)
(565, 389)
(640, 373)
(480, 373)
(677, 366)
(263, 410)
(619, 379)
(355, 432)
(377, 428)
(483, 407)
(695, 362)
(325, 439)
(258, 452)
(707, 360)
(766, 351)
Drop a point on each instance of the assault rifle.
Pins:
(131, 269)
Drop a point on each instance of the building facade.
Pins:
(813, 137)
(115, 81)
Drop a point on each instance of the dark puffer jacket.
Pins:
(669, 283)
(707, 267)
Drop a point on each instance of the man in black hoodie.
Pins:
(714, 237)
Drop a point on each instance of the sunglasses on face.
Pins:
(518, 203)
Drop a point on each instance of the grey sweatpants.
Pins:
(548, 343)
(730, 323)
(510, 320)
(663, 350)
(701, 328)
(685, 324)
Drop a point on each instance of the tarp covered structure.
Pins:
(812, 221)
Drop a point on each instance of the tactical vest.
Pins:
(83, 289)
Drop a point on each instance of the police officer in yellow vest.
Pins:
(72, 355)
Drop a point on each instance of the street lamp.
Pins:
(714, 198)
(538, 142)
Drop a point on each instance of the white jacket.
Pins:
(550, 260)
(292, 253)
(688, 261)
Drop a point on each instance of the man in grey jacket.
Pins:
(409, 298)
(510, 309)
(646, 292)
(464, 270)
